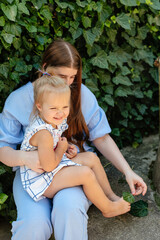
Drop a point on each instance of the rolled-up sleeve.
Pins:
(15, 116)
(94, 115)
(10, 130)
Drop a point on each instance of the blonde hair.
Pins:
(47, 84)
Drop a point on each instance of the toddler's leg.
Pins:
(69, 213)
(91, 160)
(33, 218)
(82, 175)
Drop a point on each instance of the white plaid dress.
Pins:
(35, 183)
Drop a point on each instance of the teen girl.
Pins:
(67, 212)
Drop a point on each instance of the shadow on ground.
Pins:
(127, 227)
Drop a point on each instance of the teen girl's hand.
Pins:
(63, 144)
(136, 183)
(31, 160)
(71, 151)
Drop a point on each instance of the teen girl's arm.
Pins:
(109, 149)
(14, 116)
(48, 157)
(14, 158)
(99, 130)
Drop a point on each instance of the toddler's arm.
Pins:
(49, 159)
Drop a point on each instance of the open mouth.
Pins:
(58, 118)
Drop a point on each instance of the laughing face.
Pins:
(55, 107)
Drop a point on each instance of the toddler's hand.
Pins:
(63, 144)
(71, 151)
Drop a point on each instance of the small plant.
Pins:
(3, 198)
(138, 208)
(128, 197)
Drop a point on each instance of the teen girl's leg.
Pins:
(33, 218)
(69, 213)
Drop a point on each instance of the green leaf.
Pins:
(145, 55)
(64, 5)
(130, 3)
(128, 197)
(89, 37)
(31, 28)
(155, 108)
(124, 122)
(112, 58)
(139, 209)
(2, 170)
(23, 8)
(7, 37)
(2, 21)
(108, 89)
(4, 70)
(13, 29)
(142, 32)
(125, 70)
(122, 80)
(17, 43)
(91, 84)
(38, 3)
(138, 93)
(116, 132)
(46, 13)
(10, 1)
(142, 108)
(124, 113)
(105, 13)
(123, 92)
(21, 67)
(98, 30)
(15, 77)
(112, 34)
(3, 198)
(10, 11)
(81, 4)
(91, 50)
(124, 21)
(76, 33)
(148, 93)
(86, 21)
(155, 5)
(100, 60)
(109, 100)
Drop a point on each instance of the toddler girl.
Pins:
(62, 165)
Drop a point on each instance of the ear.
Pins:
(44, 65)
(38, 105)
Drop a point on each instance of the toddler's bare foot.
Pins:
(113, 197)
(117, 208)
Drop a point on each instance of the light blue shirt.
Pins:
(15, 116)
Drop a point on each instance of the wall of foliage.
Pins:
(118, 41)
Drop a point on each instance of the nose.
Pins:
(68, 80)
(60, 112)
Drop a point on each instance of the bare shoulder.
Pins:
(42, 137)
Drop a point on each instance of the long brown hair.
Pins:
(62, 54)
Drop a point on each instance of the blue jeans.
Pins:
(67, 213)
